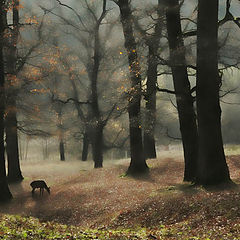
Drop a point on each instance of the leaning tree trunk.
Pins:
(212, 167)
(138, 163)
(187, 118)
(5, 194)
(14, 171)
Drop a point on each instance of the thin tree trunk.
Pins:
(85, 147)
(5, 194)
(14, 171)
(97, 124)
(138, 163)
(61, 150)
(186, 114)
(212, 167)
(150, 116)
(97, 135)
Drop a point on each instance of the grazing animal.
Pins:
(39, 184)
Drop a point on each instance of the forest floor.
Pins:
(105, 204)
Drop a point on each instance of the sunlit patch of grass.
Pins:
(18, 227)
(123, 175)
(232, 149)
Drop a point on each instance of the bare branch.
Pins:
(175, 138)
(228, 92)
(109, 114)
(165, 90)
(76, 13)
(68, 100)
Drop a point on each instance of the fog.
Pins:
(167, 126)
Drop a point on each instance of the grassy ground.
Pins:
(88, 203)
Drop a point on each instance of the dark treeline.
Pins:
(90, 72)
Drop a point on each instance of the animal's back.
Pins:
(38, 184)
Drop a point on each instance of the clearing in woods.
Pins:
(106, 199)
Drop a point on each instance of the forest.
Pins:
(119, 119)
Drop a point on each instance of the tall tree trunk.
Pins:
(150, 116)
(138, 163)
(97, 122)
(212, 167)
(85, 147)
(14, 171)
(97, 150)
(5, 194)
(187, 117)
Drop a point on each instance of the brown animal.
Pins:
(39, 184)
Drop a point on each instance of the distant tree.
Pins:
(92, 38)
(138, 162)
(182, 87)
(60, 129)
(5, 192)
(212, 167)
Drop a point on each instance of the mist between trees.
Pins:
(118, 78)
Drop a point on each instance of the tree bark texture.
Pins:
(96, 136)
(186, 114)
(97, 146)
(138, 163)
(14, 170)
(212, 167)
(5, 194)
(96, 128)
(150, 116)
(85, 147)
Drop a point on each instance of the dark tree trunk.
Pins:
(150, 115)
(61, 150)
(97, 122)
(60, 127)
(187, 117)
(212, 167)
(138, 163)
(14, 171)
(97, 132)
(97, 147)
(85, 147)
(5, 194)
